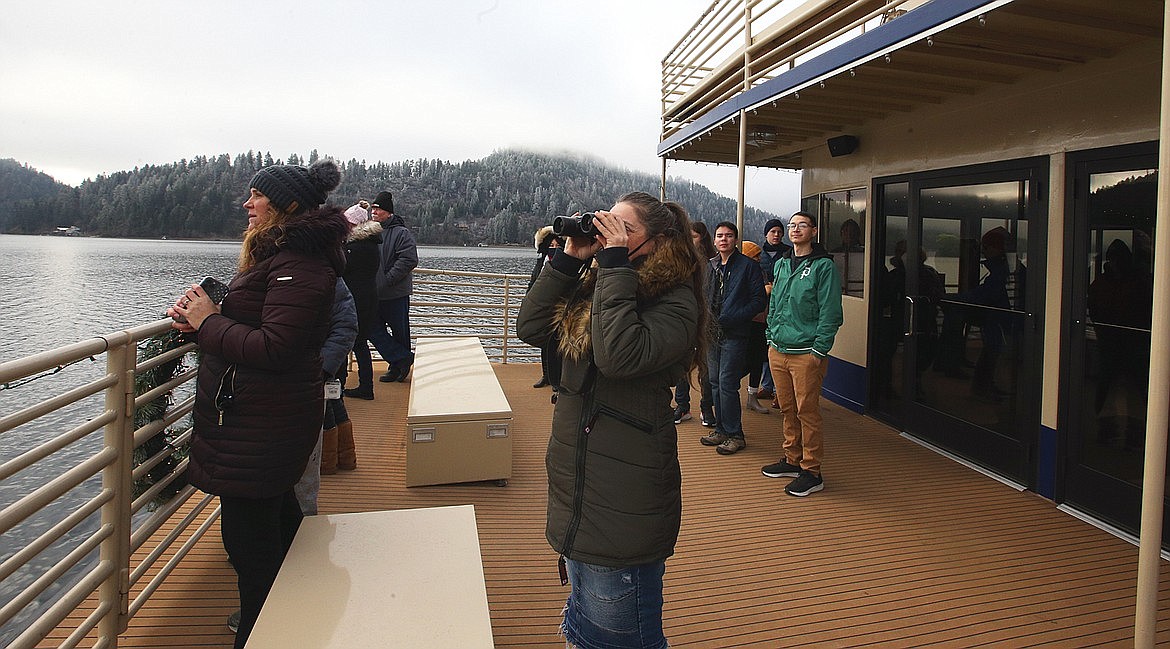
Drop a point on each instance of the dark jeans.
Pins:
(393, 346)
(727, 363)
(365, 362)
(257, 533)
(682, 393)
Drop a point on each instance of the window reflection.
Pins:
(1119, 301)
(842, 231)
(973, 271)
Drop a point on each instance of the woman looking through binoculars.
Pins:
(628, 327)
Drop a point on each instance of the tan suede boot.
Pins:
(329, 452)
(346, 453)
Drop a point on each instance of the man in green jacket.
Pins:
(803, 317)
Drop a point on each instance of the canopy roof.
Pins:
(923, 56)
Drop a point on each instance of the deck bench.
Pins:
(403, 578)
(458, 422)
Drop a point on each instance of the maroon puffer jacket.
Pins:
(259, 402)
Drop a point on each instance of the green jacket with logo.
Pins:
(804, 312)
(626, 336)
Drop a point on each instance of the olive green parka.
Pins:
(626, 337)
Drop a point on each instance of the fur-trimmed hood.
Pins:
(317, 232)
(539, 238)
(365, 230)
(661, 271)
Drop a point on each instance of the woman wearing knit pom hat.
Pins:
(259, 403)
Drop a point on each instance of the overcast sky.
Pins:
(96, 87)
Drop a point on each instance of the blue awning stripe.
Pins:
(909, 28)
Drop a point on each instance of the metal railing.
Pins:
(738, 44)
(72, 596)
(108, 582)
(449, 303)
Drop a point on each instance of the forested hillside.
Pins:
(502, 198)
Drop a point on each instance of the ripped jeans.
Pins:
(615, 608)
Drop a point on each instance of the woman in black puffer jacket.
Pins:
(259, 400)
(361, 269)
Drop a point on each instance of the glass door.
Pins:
(1110, 302)
(957, 354)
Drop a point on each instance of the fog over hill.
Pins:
(502, 198)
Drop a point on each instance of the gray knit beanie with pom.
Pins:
(308, 186)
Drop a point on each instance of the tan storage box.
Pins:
(458, 423)
(404, 578)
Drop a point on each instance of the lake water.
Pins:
(61, 290)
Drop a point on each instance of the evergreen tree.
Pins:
(502, 198)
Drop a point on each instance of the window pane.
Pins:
(842, 231)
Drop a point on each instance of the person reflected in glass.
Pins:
(626, 306)
(926, 309)
(991, 314)
(1120, 302)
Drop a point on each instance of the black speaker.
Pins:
(842, 145)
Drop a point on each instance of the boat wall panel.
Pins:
(1105, 102)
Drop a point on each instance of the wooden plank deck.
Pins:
(903, 547)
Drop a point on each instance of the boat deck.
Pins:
(903, 548)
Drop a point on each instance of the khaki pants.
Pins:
(798, 379)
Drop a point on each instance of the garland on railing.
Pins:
(155, 410)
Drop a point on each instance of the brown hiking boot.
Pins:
(714, 438)
(731, 446)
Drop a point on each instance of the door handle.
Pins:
(908, 325)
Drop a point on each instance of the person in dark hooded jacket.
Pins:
(630, 326)
(259, 399)
(399, 257)
(546, 243)
(361, 269)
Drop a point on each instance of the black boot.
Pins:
(390, 376)
(541, 383)
(360, 392)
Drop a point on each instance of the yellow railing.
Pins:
(738, 44)
(138, 548)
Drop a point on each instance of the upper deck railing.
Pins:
(52, 493)
(738, 44)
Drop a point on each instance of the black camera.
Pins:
(574, 226)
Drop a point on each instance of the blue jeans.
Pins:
(393, 346)
(766, 382)
(727, 363)
(615, 608)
